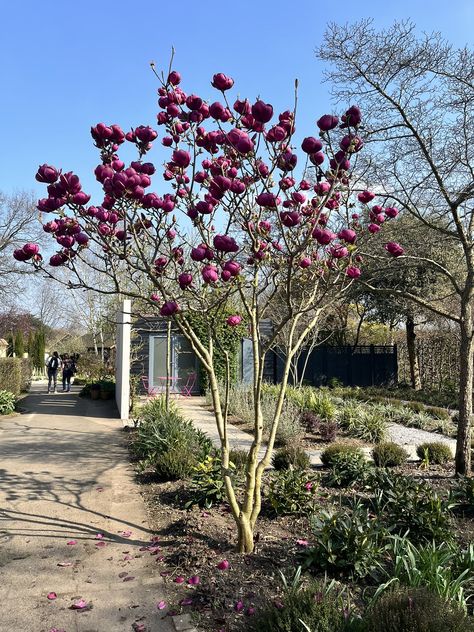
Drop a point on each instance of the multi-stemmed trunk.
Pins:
(412, 355)
(466, 363)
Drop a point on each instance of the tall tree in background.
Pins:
(19, 344)
(418, 92)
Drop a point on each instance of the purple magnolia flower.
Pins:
(181, 158)
(276, 134)
(185, 279)
(352, 117)
(339, 252)
(169, 308)
(305, 262)
(347, 235)
(373, 228)
(232, 267)
(327, 122)
(365, 197)
(209, 274)
(174, 78)
(311, 145)
(30, 249)
(394, 249)
(224, 243)
(222, 82)
(82, 239)
(353, 272)
(241, 141)
(268, 199)
(20, 255)
(262, 112)
(391, 212)
(323, 236)
(47, 174)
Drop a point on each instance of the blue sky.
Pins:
(68, 65)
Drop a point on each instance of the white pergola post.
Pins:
(122, 361)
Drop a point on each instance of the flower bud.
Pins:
(262, 112)
(232, 321)
(327, 122)
(47, 174)
(222, 82)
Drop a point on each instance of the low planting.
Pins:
(435, 452)
(292, 492)
(414, 610)
(329, 455)
(389, 454)
(7, 402)
(347, 468)
(206, 487)
(291, 456)
(167, 442)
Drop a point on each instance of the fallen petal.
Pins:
(139, 627)
(123, 574)
(194, 580)
(250, 611)
(101, 544)
(239, 606)
(51, 596)
(161, 605)
(79, 605)
(129, 578)
(99, 536)
(223, 566)
(302, 542)
(187, 601)
(179, 579)
(71, 542)
(64, 563)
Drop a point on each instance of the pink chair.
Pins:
(186, 389)
(151, 390)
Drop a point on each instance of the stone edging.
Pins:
(183, 623)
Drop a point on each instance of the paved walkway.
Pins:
(409, 438)
(64, 479)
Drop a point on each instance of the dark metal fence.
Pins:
(371, 365)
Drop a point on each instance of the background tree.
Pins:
(418, 93)
(19, 344)
(248, 230)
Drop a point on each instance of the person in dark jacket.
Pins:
(52, 365)
(69, 368)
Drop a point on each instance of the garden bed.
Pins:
(193, 542)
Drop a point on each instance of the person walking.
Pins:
(68, 372)
(53, 363)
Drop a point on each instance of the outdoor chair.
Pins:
(187, 388)
(151, 390)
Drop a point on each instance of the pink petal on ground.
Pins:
(223, 566)
(99, 536)
(187, 601)
(51, 596)
(79, 605)
(194, 580)
(127, 557)
(100, 544)
(165, 573)
(161, 605)
(71, 542)
(302, 542)
(57, 630)
(139, 627)
(250, 611)
(129, 578)
(154, 538)
(239, 606)
(179, 579)
(64, 564)
(100, 489)
(123, 574)
(125, 534)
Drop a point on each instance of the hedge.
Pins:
(15, 374)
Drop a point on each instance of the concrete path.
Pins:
(408, 438)
(72, 522)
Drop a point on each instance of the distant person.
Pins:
(52, 365)
(69, 368)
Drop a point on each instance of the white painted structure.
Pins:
(122, 360)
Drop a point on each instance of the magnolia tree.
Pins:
(237, 227)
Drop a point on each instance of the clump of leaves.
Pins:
(346, 541)
(7, 402)
(329, 454)
(317, 607)
(328, 431)
(463, 494)
(292, 492)
(292, 456)
(206, 487)
(167, 442)
(436, 452)
(389, 454)
(415, 610)
(310, 421)
(406, 505)
(347, 468)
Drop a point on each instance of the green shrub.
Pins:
(291, 456)
(438, 413)
(26, 372)
(463, 494)
(292, 492)
(443, 568)
(328, 455)
(364, 421)
(310, 421)
(11, 375)
(7, 402)
(206, 487)
(318, 609)
(415, 610)
(389, 454)
(167, 442)
(347, 468)
(436, 452)
(416, 407)
(406, 505)
(349, 542)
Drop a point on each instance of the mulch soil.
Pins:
(192, 542)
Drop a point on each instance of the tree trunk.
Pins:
(168, 366)
(245, 543)
(463, 441)
(412, 357)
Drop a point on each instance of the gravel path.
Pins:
(408, 438)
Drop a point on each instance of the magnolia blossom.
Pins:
(353, 272)
(234, 320)
(394, 249)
